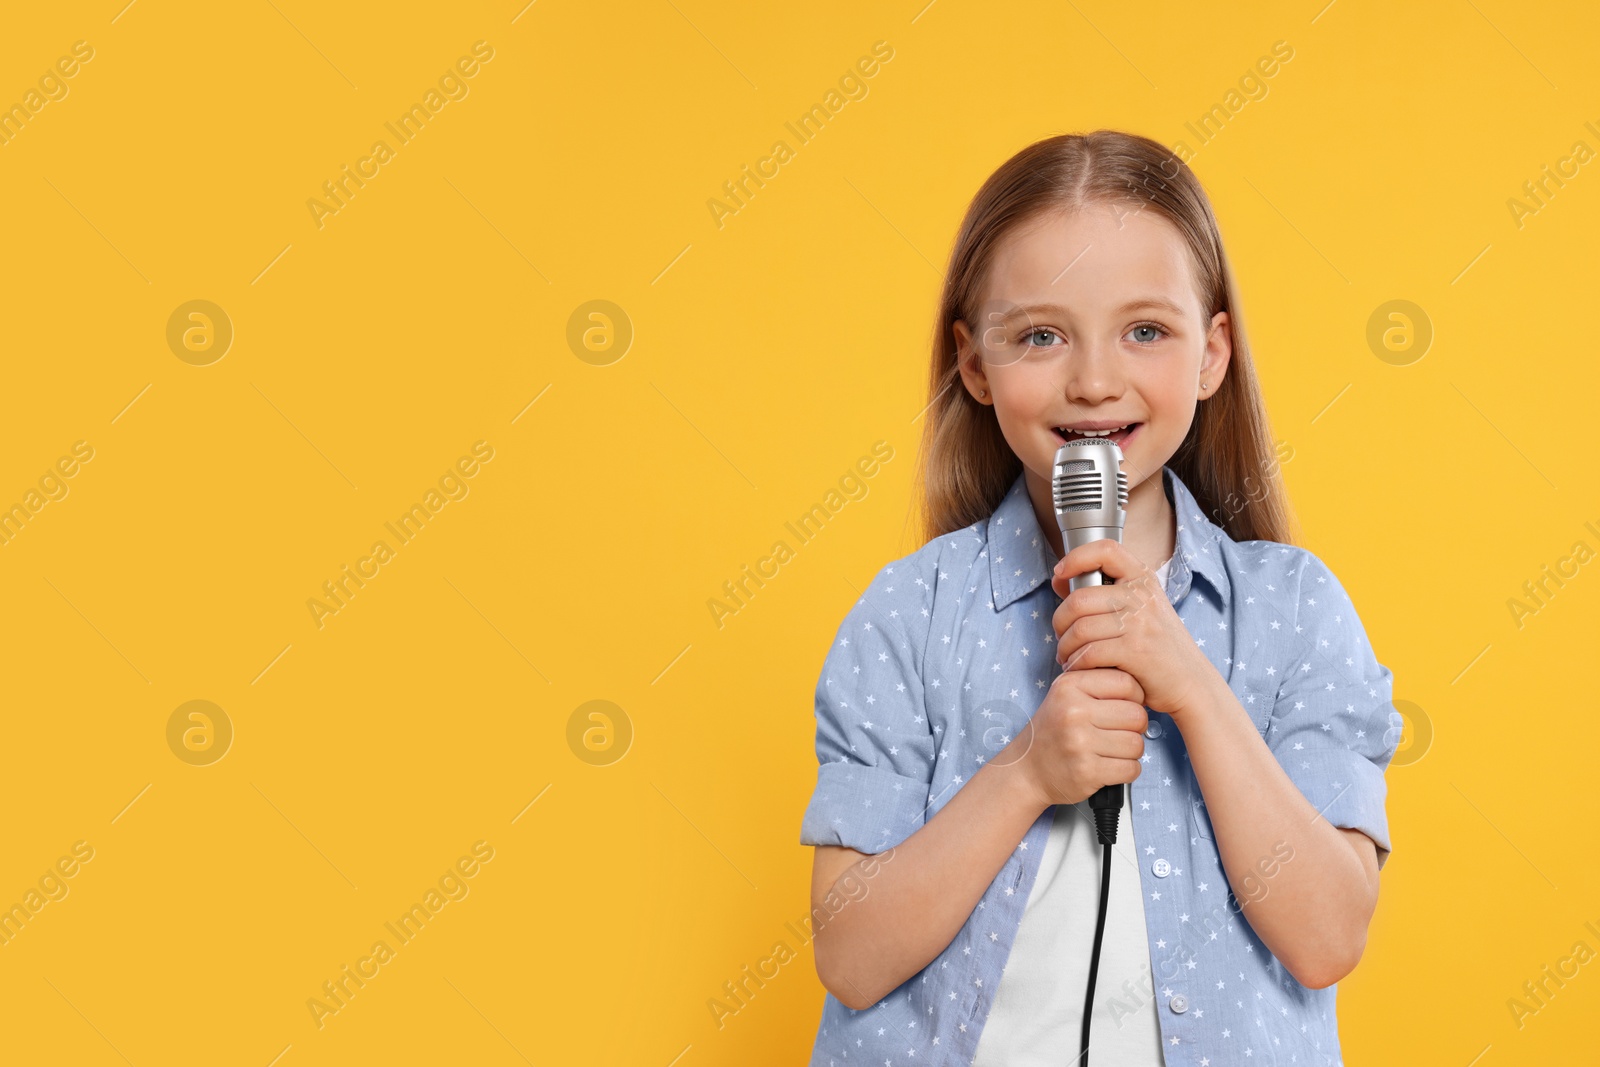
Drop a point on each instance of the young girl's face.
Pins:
(1091, 320)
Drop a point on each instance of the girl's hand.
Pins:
(1129, 624)
(1087, 733)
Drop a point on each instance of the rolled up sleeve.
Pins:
(1334, 726)
(874, 744)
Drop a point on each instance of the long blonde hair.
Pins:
(1228, 460)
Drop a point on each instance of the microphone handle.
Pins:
(1107, 800)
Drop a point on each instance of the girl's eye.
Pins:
(1031, 338)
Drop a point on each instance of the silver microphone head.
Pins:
(1091, 497)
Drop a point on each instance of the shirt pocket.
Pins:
(1201, 819)
(1263, 718)
(1260, 710)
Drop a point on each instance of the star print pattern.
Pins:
(928, 678)
(874, 776)
(1334, 691)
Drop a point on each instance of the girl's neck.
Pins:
(1150, 532)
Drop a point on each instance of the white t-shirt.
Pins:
(1037, 1017)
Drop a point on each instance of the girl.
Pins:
(969, 705)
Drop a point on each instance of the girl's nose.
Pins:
(1092, 376)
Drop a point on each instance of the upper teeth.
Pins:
(1097, 433)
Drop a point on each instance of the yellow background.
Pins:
(768, 355)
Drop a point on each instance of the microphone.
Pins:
(1091, 500)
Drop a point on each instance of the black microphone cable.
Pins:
(1107, 805)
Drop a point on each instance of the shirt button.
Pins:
(1162, 868)
(1179, 1003)
(1153, 728)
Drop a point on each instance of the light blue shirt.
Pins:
(951, 648)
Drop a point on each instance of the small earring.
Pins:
(982, 393)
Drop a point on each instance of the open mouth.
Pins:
(1120, 436)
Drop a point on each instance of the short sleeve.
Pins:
(1334, 726)
(874, 744)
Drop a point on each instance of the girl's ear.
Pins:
(1219, 351)
(970, 365)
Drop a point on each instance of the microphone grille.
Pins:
(1079, 487)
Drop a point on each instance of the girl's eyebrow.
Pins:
(1160, 303)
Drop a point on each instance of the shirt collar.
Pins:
(1021, 558)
